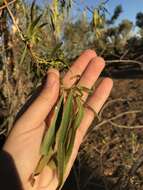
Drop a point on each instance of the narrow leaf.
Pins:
(61, 164)
(61, 134)
(33, 25)
(42, 25)
(68, 107)
(76, 124)
(52, 164)
(32, 10)
(80, 113)
(43, 162)
(50, 134)
(68, 136)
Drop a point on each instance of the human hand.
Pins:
(24, 141)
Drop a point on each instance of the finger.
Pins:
(78, 67)
(43, 104)
(96, 102)
(91, 74)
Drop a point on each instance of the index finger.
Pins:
(78, 68)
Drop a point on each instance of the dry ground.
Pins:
(111, 157)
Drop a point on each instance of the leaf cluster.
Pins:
(58, 141)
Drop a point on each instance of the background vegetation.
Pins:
(34, 37)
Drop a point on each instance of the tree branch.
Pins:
(4, 6)
(125, 61)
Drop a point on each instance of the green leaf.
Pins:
(1, 2)
(75, 125)
(32, 26)
(55, 49)
(61, 134)
(32, 10)
(69, 134)
(80, 113)
(50, 134)
(61, 164)
(42, 25)
(52, 21)
(36, 21)
(85, 89)
(67, 113)
(43, 162)
(52, 164)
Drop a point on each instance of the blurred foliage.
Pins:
(118, 10)
(37, 37)
(139, 19)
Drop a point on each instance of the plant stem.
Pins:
(4, 6)
(14, 21)
(23, 55)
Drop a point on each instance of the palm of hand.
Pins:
(24, 141)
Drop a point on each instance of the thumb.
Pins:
(42, 105)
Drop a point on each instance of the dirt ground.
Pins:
(111, 157)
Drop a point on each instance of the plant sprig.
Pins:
(58, 141)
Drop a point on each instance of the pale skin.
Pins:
(24, 141)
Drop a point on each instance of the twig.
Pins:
(89, 9)
(14, 21)
(124, 61)
(115, 117)
(106, 1)
(2, 131)
(124, 54)
(110, 102)
(136, 165)
(125, 126)
(139, 57)
(9, 3)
